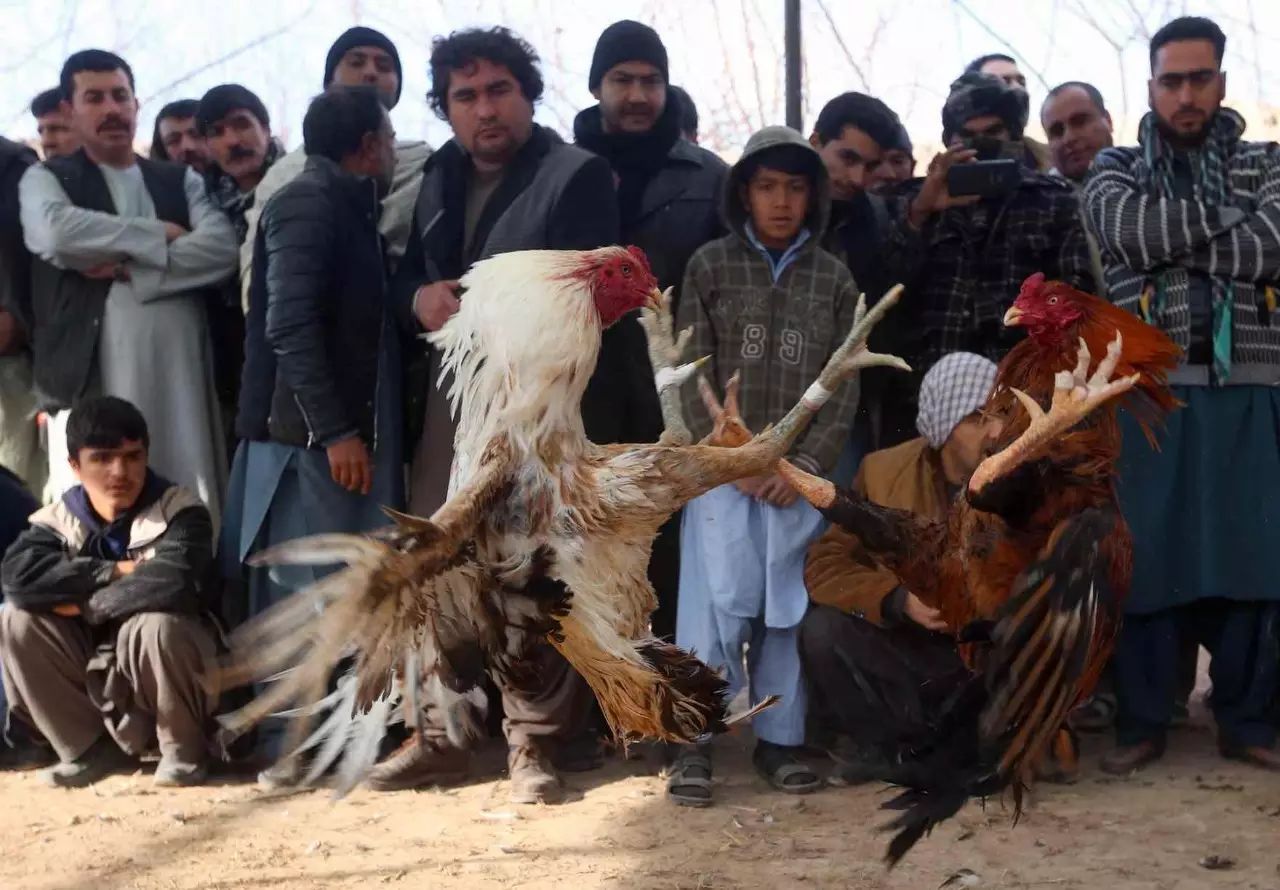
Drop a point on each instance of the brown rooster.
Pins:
(1033, 562)
(544, 535)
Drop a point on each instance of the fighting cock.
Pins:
(544, 534)
(1034, 560)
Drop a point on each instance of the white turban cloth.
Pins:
(958, 384)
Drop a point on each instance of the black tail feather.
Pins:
(921, 812)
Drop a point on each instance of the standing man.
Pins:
(963, 258)
(1078, 125)
(235, 126)
(320, 407)
(1006, 69)
(360, 56)
(53, 124)
(20, 450)
(177, 138)
(896, 166)
(668, 199)
(1189, 226)
(504, 183)
(123, 247)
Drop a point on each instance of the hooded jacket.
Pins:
(775, 321)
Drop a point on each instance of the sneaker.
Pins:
(533, 778)
(418, 765)
(281, 776)
(102, 759)
(174, 773)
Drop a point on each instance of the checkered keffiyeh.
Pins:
(954, 388)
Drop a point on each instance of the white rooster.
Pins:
(544, 533)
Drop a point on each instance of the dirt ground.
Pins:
(1146, 832)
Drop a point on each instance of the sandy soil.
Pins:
(1149, 831)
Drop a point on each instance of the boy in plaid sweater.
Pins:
(767, 302)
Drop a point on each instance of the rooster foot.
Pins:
(1075, 396)
(728, 430)
(665, 350)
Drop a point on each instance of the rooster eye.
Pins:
(1053, 301)
(626, 271)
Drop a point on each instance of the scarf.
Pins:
(110, 540)
(1209, 167)
(634, 157)
(226, 195)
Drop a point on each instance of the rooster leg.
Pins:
(1075, 395)
(665, 349)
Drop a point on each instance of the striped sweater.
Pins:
(1150, 240)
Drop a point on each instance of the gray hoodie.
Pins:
(775, 321)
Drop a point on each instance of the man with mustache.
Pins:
(1188, 222)
(668, 196)
(504, 183)
(237, 129)
(123, 249)
(177, 138)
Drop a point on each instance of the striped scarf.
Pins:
(1210, 169)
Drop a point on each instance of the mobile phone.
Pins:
(985, 178)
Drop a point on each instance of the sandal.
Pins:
(783, 770)
(689, 782)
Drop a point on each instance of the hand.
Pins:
(173, 231)
(934, 197)
(930, 619)
(777, 492)
(126, 567)
(436, 303)
(350, 466)
(750, 486)
(108, 271)
(67, 610)
(12, 337)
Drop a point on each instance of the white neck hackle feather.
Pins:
(514, 374)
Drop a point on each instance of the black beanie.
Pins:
(626, 41)
(361, 36)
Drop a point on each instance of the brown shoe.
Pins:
(533, 778)
(1256, 755)
(415, 765)
(1125, 759)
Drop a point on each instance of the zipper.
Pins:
(311, 436)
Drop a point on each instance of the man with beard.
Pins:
(668, 198)
(503, 183)
(237, 130)
(1189, 226)
(177, 138)
(53, 124)
(1006, 69)
(123, 248)
(963, 258)
(360, 56)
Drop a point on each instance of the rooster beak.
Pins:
(655, 300)
(1013, 317)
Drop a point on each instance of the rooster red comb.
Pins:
(1032, 285)
(639, 256)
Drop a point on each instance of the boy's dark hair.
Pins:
(224, 99)
(499, 45)
(104, 422)
(338, 119)
(794, 160)
(1090, 90)
(179, 109)
(98, 60)
(975, 67)
(1190, 27)
(869, 115)
(46, 102)
(688, 109)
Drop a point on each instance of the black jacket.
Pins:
(15, 259)
(316, 309)
(68, 556)
(67, 307)
(678, 209)
(552, 196)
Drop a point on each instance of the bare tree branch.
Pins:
(964, 7)
(844, 47)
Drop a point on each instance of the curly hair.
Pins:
(499, 46)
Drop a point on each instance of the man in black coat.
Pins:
(502, 184)
(319, 410)
(668, 199)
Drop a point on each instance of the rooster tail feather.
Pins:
(922, 811)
